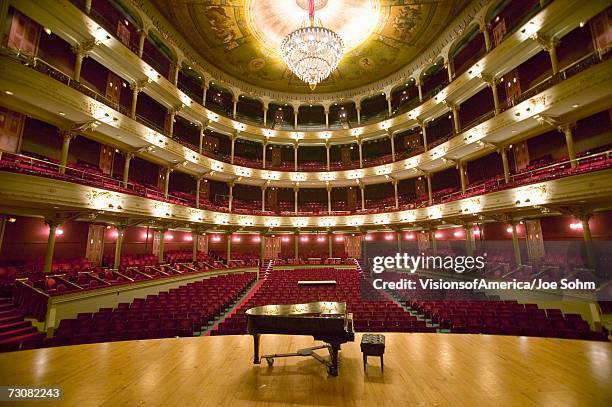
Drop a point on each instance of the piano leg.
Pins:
(256, 360)
(333, 353)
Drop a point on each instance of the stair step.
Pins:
(17, 332)
(6, 306)
(22, 338)
(11, 313)
(8, 320)
(14, 325)
(216, 321)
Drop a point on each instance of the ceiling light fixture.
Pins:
(312, 52)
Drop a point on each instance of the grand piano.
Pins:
(325, 321)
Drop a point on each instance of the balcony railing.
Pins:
(32, 166)
(40, 65)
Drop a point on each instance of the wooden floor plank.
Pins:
(420, 369)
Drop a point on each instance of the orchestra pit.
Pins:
(197, 200)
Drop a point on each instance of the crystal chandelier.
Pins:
(312, 52)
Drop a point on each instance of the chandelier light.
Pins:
(312, 52)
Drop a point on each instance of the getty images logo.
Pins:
(406, 262)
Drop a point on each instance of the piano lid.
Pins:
(311, 308)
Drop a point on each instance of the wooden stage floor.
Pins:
(420, 370)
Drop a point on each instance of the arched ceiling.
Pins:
(241, 37)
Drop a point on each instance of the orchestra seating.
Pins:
(69, 275)
(178, 312)
(372, 311)
(463, 311)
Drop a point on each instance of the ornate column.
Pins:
(429, 191)
(358, 108)
(469, 238)
(450, 68)
(118, 246)
(228, 254)
(171, 117)
(491, 81)
(329, 204)
(231, 195)
(327, 146)
(550, 45)
(262, 249)
(142, 36)
(175, 71)
(423, 125)
(295, 155)
(162, 240)
(265, 114)
(398, 235)
(392, 140)
(81, 51)
(327, 118)
(362, 188)
(67, 136)
(434, 243)
(515, 242)
(264, 148)
(295, 118)
(296, 189)
(484, 29)
(233, 141)
(204, 91)
(53, 224)
(167, 181)
(234, 106)
(420, 87)
(389, 105)
(504, 154)
(454, 109)
(569, 141)
(126, 167)
(263, 198)
(296, 245)
(330, 245)
(462, 169)
(201, 145)
(194, 245)
(360, 144)
(197, 191)
(588, 240)
(136, 88)
(395, 182)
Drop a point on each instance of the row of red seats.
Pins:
(181, 311)
(281, 287)
(474, 312)
(314, 260)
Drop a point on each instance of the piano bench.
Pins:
(373, 345)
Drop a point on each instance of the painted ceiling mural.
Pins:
(242, 37)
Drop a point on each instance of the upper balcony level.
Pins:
(510, 35)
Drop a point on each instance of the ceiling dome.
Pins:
(241, 38)
(271, 20)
